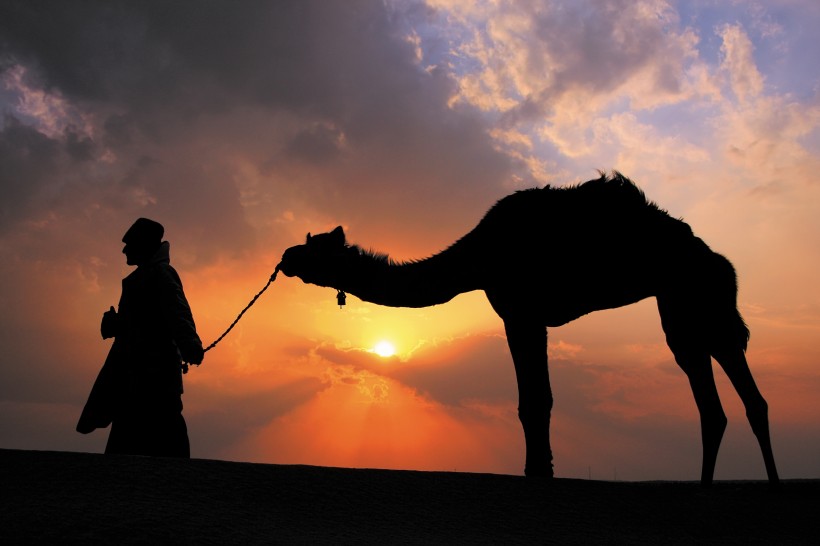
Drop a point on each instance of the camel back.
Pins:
(605, 215)
(602, 244)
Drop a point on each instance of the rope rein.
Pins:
(340, 299)
(239, 316)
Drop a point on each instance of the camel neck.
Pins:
(421, 283)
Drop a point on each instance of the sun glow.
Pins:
(384, 349)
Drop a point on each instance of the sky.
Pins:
(242, 126)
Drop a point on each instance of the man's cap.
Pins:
(144, 231)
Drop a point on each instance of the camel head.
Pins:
(318, 261)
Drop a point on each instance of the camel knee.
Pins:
(757, 409)
(535, 414)
(714, 425)
(758, 415)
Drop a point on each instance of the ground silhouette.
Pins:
(57, 498)
(545, 257)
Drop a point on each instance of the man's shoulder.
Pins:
(163, 272)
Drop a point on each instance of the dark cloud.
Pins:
(476, 368)
(30, 160)
(324, 102)
(339, 61)
(453, 373)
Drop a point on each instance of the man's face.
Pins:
(137, 253)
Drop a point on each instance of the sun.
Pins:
(384, 349)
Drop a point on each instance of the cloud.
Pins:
(473, 368)
(537, 61)
(457, 372)
(738, 62)
(231, 114)
(29, 159)
(242, 126)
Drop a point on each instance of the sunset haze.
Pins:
(244, 126)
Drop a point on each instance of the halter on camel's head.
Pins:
(317, 261)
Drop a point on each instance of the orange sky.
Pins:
(242, 128)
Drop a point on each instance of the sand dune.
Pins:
(54, 497)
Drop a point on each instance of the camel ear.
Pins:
(338, 235)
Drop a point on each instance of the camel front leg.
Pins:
(528, 346)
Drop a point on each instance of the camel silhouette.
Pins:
(546, 256)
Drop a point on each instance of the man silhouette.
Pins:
(139, 389)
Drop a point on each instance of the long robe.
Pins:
(139, 388)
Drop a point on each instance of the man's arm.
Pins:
(178, 316)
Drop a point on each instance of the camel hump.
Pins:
(612, 191)
(609, 194)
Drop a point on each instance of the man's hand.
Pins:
(192, 353)
(108, 327)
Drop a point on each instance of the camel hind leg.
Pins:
(698, 369)
(734, 364)
(728, 337)
(689, 348)
(702, 322)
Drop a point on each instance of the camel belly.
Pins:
(560, 312)
(556, 304)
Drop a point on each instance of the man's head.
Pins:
(142, 240)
